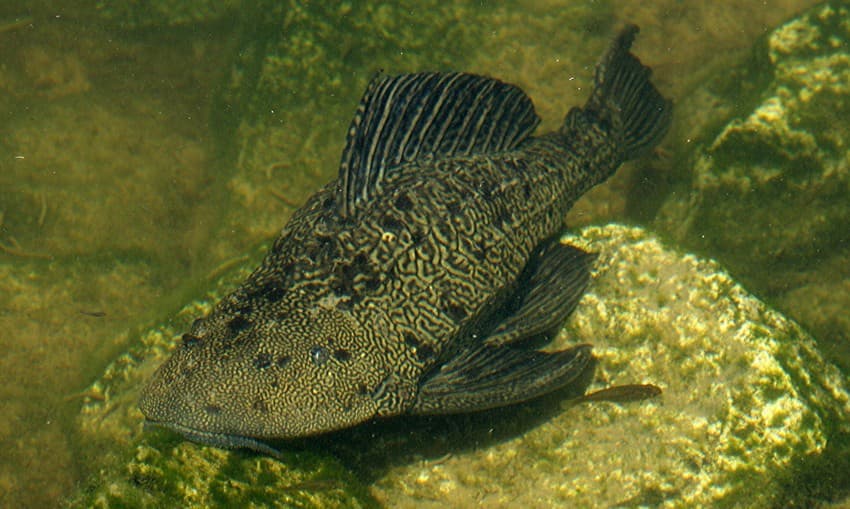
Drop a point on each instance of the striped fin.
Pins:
(560, 274)
(624, 95)
(411, 116)
(486, 377)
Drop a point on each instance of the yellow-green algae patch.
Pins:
(770, 191)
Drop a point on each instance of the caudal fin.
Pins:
(623, 95)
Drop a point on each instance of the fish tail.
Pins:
(624, 98)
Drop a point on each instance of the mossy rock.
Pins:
(769, 193)
(748, 401)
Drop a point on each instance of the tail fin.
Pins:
(624, 96)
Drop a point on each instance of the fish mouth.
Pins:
(220, 440)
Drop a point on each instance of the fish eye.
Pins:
(190, 340)
(198, 327)
(319, 355)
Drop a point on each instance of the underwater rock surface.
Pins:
(770, 194)
(747, 400)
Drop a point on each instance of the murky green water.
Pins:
(142, 150)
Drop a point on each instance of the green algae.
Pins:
(180, 475)
(159, 13)
(768, 191)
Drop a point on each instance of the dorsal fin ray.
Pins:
(411, 116)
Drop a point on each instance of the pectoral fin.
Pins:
(486, 377)
(556, 280)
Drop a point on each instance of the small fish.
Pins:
(621, 393)
(418, 281)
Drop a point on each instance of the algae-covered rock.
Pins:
(159, 13)
(748, 401)
(770, 194)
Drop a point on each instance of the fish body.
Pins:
(419, 280)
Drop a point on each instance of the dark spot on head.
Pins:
(355, 299)
(453, 208)
(263, 360)
(390, 223)
(424, 352)
(362, 389)
(416, 237)
(319, 355)
(485, 191)
(190, 340)
(274, 293)
(282, 361)
(453, 310)
(328, 203)
(212, 409)
(526, 190)
(238, 324)
(360, 261)
(243, 308)
(504, 217)
(402, 202)
(342, 355)
(284, 267)
(269, 290)
(372, 283)
(325, 247)
(410, 340)
(274, 384)
(342, 286)
(260, 406)
(343, 282)
(199, 327)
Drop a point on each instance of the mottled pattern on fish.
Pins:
(414, 282)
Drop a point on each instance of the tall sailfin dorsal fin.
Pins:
(403, 118)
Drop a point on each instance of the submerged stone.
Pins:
(748, 401)
(770, 193)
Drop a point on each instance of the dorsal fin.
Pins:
(411, 116)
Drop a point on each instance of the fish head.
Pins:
(268, 376)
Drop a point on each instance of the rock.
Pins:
(770, 194)
(748, 401)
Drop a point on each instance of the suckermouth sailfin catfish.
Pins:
(418, 281)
